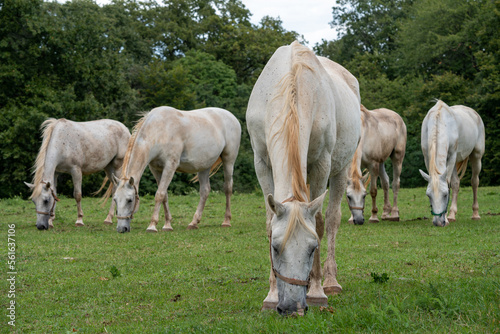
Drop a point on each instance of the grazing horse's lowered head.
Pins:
(45, 200)
(127, 202)
(439, 196)
(293, 243)
(356, 193)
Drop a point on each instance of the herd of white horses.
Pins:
(308, 131)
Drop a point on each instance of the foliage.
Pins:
(379, 278)
(214, 279)
(408, 53)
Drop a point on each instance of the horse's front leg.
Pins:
(374, 171)
(265, 177)
(76, 174)
(52, 216)
(455, 187)
(203, 178)
(161, 195)
(332, 218)
(318, 178)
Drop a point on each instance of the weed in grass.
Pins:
(114, 272)
(380, 278)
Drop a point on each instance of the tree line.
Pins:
(81, 61)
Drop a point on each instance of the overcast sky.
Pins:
(307, 17)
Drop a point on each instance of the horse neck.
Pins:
(138, 161)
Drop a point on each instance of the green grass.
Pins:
(213, 280)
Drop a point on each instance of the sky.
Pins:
(307, 17)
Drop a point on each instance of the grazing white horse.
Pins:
(383, 135)
(304, 123)
(451, 136)
(75, 148)
(170, 140)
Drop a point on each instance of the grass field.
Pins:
(213, 280)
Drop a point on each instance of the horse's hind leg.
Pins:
(384, 179)
(76, 174)
(397, 165)
(228, 190)
(475, 160)
(203, 178)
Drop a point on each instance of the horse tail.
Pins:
(214, 169)
(47, 128)
(107, 194)
(131, 142)
(462, 167)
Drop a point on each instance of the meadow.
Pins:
(398, 277)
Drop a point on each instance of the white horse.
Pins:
(171, 140)
(451, 136)
(383, 135)
(304, 123)
(75, 148)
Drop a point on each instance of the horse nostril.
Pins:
(280, 310)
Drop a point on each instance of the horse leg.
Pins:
(228, 191)
(373, 169)
(76, 174)
(397, 164)
(161, 194)
(53, 213)
(203, 178)
(475, 160)
(168, 216)
(455, 187)
(109, 174)
(384, 179)
(265, 177)
(316, 295)
(332, 220)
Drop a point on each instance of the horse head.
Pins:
(45, 200)
(293, 243)
(439, 196)
(127, 202)
(356, 193)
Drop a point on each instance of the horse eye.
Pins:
(348, 198)
(129, 200)
(45, 201)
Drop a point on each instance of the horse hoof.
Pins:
(392, 219)
(317, 301)
(167, 229)
(475, 217)
(192, 227)
(152, 230)
(452, 220)
(107, 222)
(226, 225)
(79, 224)
(269, 306)
(332, 290)
(373, 220)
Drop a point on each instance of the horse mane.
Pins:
(290, 130)
(296, 219)
(433, 169)
(135, 131)
(47, 128)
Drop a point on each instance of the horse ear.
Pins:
(29, 185)
(131, 181)
(424, 175)
(115, 179)
(277, 207)
(316, 205)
